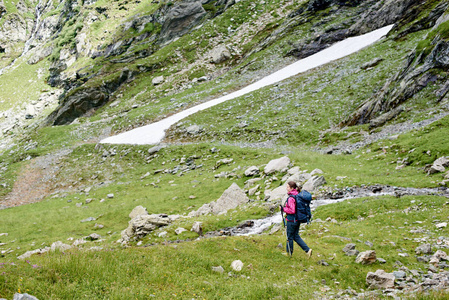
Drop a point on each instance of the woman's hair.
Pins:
(295, 186)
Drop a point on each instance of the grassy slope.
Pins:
(166, 271)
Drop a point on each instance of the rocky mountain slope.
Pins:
(373, 124)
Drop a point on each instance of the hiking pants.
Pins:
(293, 235)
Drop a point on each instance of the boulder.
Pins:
(277, 165)
(314, 183)
(142, 225)
(348, 247)
(197, 227)
(366, 257)
(316, 171)
(442, 161)
(157, 80)
(138, 211)
(279, 193)
(251, 171)
(60, 246)
(253, 190)
(37, 251)
(180, 230)
(25, 296)
(237, 265)
(438, 256)
(220, 54)
(423, 249)
(218, 269)
(194, 129)
(230, 199)
(380, 280)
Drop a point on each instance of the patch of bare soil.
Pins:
(36, 180)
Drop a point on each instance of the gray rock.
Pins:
(237, 265)
(193, 129)
(253, 190)
(93, 237)
(423, 249)
(381, 260)
(157, 80)
(251, 171)
(25, 296)
(220, 54)
(349, 247)
(138, 211)
(399, 274)
(142, 225)
(230, 199)
(180, 230)
(314, 183)
(32, 252)
(352, 252)
(366, 257)
(218, 269)
(197, 227)
(316, 171)
(323, 263)
(180, 19)
(380, 280)
(60, 246)
(154, 149)
(423, 259)
(277, 165)
(110, 196)
(90, 219)
(369, 244)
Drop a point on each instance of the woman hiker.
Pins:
(292, 224)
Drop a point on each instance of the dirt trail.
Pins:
(36, 180)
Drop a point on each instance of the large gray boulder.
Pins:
(314, 183)
(380, 280)
(220, 54)
(277, 165)
(138, 211)
(231, 198)
(180, 19)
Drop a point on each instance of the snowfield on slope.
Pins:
(154, 133)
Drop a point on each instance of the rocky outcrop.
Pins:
(84, 101)
(180, 19)
(142, 225)
(385, 104)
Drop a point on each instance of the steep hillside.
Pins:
(372, 125)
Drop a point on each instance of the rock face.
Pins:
(83, 101)
(415, 76)
(231, 198)
(380, 280)
(180, 19)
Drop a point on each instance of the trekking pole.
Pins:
(286, 236)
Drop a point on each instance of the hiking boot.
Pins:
(309, 253)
